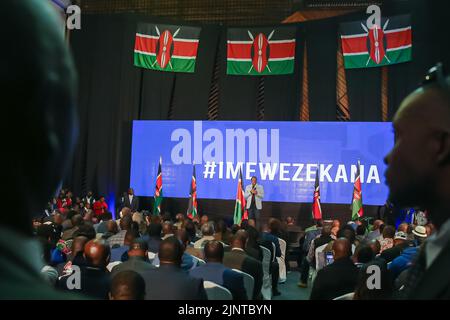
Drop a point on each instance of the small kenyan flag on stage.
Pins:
(357, 206)
(260, 51)
(158, 191)
(192, 209)
(379, 46)
(166, 47)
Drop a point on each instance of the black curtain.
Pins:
(321, 45)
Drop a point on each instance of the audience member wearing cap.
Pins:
(404, 260)
(400, 243)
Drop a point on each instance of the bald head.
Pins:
(97, 253)
(403, 227)
(170, 251)
(214, 251)
(341, 248)
(422, 127)
(138, 248)
(127, 285)
(111, 226)
(239, 240)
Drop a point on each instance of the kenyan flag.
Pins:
(192, 209)
(379, 46)
(260, 51)
(240, 210)
(357, 206)
(166, 47)
(158, 191)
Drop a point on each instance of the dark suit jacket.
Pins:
(169, 282)
(335, 280)
(237, 259)
(137, 264)
(134, 205)
(435, 283)
(153, 243)
(95, 282)
(218, 273)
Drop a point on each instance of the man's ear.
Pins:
(443, 152)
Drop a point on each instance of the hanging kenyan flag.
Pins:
(260, 51)
(158, 191)
(192, 209)
(379, 46)
(166, 47)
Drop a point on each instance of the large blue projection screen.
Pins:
(283, 155)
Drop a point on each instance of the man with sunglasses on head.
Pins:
(422, 126)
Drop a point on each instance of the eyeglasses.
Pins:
(436, 75)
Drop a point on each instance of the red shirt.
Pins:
(100, 208)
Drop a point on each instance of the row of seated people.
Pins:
(169, 257)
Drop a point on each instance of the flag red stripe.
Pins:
(393, 40)
(353, 45)
(398, 39)
(277, 50)
(180, 48)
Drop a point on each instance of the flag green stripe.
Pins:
(243, 67)
(179, 65)
(359, 61)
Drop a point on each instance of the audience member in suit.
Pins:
(363, 292)
(238, 259)
(253, 249)
(127, 285)
(137, 259)
(169, 281)
(207, 230)
(119, 253)
(363, 254)
(375, 233)
(119, 238)
(76, 221)
(167, 230)
(215, 271)
(153, 237)
(338, 278)
(129, 200)
(76, 257)
(310, 259)
(94, 277)
(101, 227)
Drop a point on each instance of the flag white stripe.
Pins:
(356, 53)
(154, 54)
(270, 42)
(399, 48)
(397, 30)
(354, 36)
(270, 59)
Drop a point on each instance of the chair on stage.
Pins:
(216, 292)
(249, 283)
(266, 289)
(281, 262)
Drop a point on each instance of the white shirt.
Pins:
(437, 242)
(130, 197)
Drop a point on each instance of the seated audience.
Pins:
(337, 278)
(236, 258)
(207, 230)
(167, 230)
(385, 289)
(94, 277)
(387, 240)
(169, 281)
(215, 271)
(119, 238)
(137, 259)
